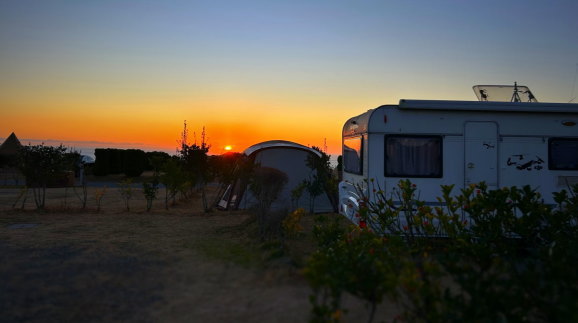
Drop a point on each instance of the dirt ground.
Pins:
(65, 264)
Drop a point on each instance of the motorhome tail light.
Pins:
(568, 123)
(384, 118)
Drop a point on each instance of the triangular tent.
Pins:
(284, 156)
(10, 146)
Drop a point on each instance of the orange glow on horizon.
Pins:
(144, 126)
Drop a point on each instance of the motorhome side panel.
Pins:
(440, 162)
(524, 161)
(532, 161)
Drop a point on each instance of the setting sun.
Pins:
(228, 148)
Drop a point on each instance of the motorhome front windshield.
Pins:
(352, 155)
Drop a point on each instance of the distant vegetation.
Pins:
(131, 162)
(182, 175)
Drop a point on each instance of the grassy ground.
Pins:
(176, 265)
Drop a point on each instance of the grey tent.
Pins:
(284, 156)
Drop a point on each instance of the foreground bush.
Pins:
(482, 255)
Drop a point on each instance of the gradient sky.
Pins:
(128, 73)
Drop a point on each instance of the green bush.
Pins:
(481, 255)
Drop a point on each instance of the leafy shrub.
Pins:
(499, 255)
(292, 223)
(353, 261)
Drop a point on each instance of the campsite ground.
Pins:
(176, 265)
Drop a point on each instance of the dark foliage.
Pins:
(45, 166)
(134, 162)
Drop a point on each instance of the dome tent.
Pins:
(284, 156)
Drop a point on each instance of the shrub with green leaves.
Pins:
(355, 261)
(292, 223)
(481, 255)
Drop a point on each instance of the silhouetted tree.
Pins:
(155, 160)
(173, 178)
(266, 184)
(40, 165)
(323, 180)
(195, 164)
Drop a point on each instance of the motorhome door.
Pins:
(481, 153)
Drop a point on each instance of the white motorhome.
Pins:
(435, 143)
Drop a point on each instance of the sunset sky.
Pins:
(128, 73)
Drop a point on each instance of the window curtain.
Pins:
(407, 156)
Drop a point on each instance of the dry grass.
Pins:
(180, 265)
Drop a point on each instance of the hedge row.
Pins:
(131, 162)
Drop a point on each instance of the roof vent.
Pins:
(504, 93)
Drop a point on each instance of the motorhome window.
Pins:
(352, 155)
(413, 156)
(563, 153)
